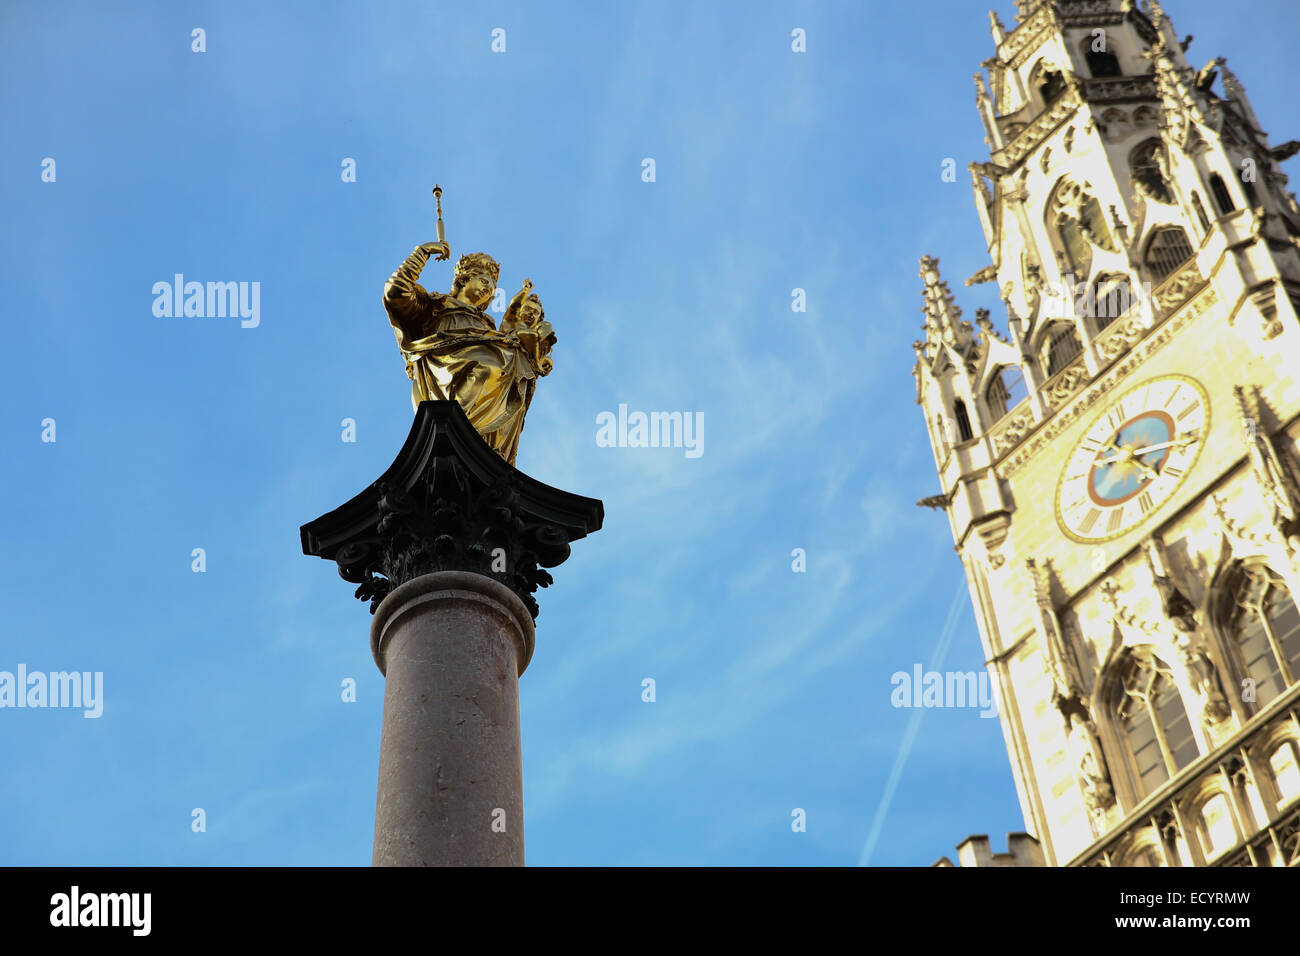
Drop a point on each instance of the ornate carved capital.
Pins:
(449, 503)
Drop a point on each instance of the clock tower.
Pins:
(1120, 468)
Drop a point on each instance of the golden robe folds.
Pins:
(454, 351)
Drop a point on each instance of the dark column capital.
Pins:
(450, 503)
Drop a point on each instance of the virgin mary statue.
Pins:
(455, 352)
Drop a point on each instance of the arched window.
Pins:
(1222, 198)
(1285, 765)
(1167, 250)
(1112, 297)
(1050, 83)
(1100, 62)
(1216, 828)
(1199, 208)
(1076, 216)
(1154, 722)
(1145, 165)
(964, 432)
(1006, 391)
(1060, 347)
(1262, 624)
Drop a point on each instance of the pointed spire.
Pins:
(981, 90)
(995, 25)
(984, 103)
(943, 321)
(1166, 37)
(1179, 97)
(1234, 91)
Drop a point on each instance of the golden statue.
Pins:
(453, 349)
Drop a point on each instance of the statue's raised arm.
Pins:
(405, 300)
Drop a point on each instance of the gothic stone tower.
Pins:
(1120, 471)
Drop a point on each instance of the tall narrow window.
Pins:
(964, 432)
(1006, 391)
(1061, 348)
(1199, 208)
(1167, 250)
(1147, 758)
(1155, 722)
(1222, 198)
(1286, 771)
(1112, 297)
(1264, 625)
(1218, 831)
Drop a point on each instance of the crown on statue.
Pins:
(478, 262)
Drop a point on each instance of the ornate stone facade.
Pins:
(1123, 484)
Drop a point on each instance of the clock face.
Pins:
(1132, 459)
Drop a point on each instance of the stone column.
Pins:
(452, 646)
(448, 547)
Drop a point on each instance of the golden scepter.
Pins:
(437, 198)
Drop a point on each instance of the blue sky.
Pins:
(774, 170)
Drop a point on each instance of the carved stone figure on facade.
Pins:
(1278, 487)
(1203, 677)
(1089, 763)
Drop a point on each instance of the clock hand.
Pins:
(1176, 443)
